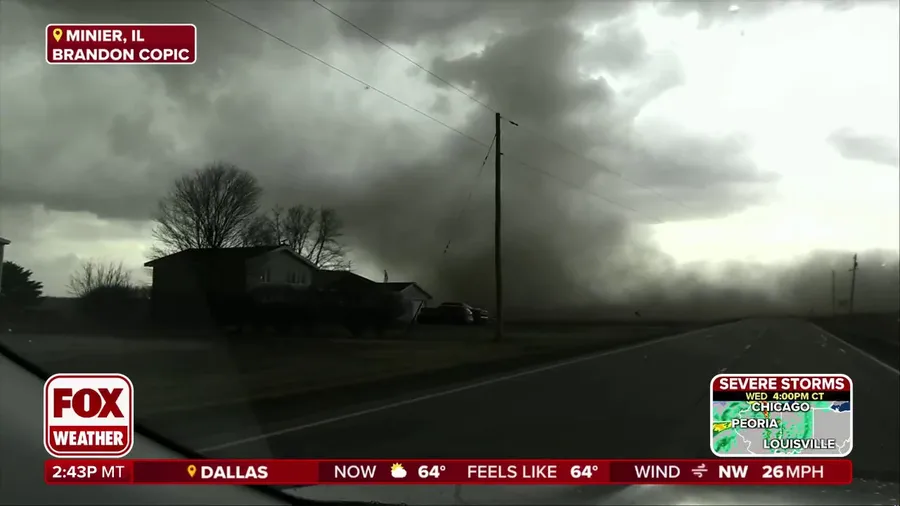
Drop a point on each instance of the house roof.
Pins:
(225, 255)
(344, 279)
(4, 241)
(399, 286)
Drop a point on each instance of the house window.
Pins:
(265, 276)
(292, 278)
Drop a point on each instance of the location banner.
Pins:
(459, 472)
(781, 415)
(100, 44)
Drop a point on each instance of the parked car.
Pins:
(452, 313)
(481, 315)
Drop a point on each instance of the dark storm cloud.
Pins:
(535, 76)
(853, 145)
(808, 284)
(618, 46)
(546, 90)
(104, 141)
(77, 153)
(402, 203)
(531, 74)
(412, 21)
(703, 163)
(558, 238)
(705, 177)
(224, 45)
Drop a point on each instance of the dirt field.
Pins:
(172, 375)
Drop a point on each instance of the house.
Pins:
(3, 243)
(345, 288)
(203, 285)
(345, 281)
(412, 295)
(191, 283)
(414, 298)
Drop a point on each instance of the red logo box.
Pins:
(88, 415)
(107, 44)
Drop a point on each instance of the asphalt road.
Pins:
(649, 401)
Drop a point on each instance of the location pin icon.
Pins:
(192, 470)
(57, 34)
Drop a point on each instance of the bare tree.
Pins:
(93, 274)
(262, 230)
(298, 228)
(209, 208)
(327, 251)
(313, 233)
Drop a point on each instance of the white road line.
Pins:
(451, 391)
(858, 350)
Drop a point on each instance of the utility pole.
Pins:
(853, 282)
(833, 310)
(498, 264)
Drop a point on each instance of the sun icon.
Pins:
(397, 470)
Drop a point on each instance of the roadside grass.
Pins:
(167, 381)
(198, 375)
(876, 333)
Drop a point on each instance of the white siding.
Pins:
(278, 267)
(412, 292)
(410, 308)
(413, 298)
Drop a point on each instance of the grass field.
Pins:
(175, 374)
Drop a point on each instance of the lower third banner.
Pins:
(461, 472)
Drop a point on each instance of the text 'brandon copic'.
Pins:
(145, 44)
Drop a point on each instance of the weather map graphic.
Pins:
(781, 415)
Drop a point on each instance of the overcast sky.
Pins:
(665, 151)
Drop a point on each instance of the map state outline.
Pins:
(848, 441)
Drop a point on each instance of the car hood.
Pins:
(860, 492)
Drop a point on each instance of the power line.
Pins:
(415, 109)
(582, 189)
(489, 108)
(346, 74)
(465, 205)
(398, 53)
